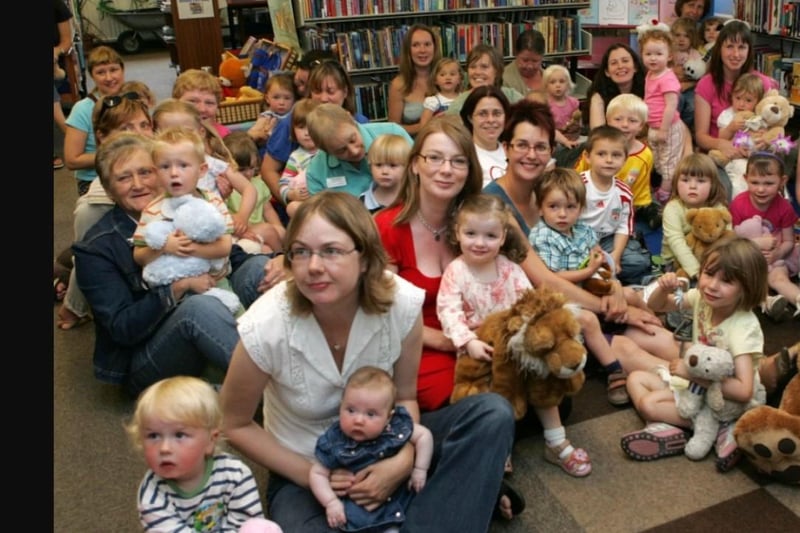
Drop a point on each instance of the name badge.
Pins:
(336, 181)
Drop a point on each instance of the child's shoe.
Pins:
(728, 453)
(617, 390)
(777, 308)
(655, 441)
(576, 464)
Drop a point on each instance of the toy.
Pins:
(709, 224)
(600, 284)
(201, 222)
(232, 75)
(538, 356)
(770, 437)
(774, 112)
(707, 411)
(265, 60)
(572, 129)
(694, 69)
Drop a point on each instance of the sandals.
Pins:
(576, 464)
(516, 499)
(68, 320)
(616, 390)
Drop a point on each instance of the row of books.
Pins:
(772, 63)
(776, 17)
(347, 8)
(378, 48)
(371, 100)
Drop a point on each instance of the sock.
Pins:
(616, 366)
(554, 437)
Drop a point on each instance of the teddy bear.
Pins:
(538, 355)
(601, 282)
(201, 222)
(770, 437)
(232, 75)
(694, 69)
(708, 225)
(773, 112)
(572, 129)
(708, 410)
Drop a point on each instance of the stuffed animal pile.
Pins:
(538, 355)
(201, 222)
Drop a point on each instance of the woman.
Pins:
(107, 71)
(621, 71)
(341, 159)
(524, 74)
(731, 57)
(408, 89)
(484, 67)
(484, 113)
(111, 114)
(693, 9)
(143, 335)
(341, 309)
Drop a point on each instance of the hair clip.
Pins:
(652, 25)
(746, 24)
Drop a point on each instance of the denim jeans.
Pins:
(246, 277)
(686, 108)
(635, 262)
(472, 439)
(199, 331)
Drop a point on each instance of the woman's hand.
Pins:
(614, 305)
(273, 273)
(642, 319)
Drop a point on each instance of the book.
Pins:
(794, 92)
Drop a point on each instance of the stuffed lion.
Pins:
(538, 354)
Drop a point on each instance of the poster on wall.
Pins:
(195, 9)
(613, 12)
(283, 25)
(666, 11)
(642, 11)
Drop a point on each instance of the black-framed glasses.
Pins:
(458, 162)
(115, 100)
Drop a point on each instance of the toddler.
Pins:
(747, 91)
(447, 79)
(711, 28)
(486, 277)
(667, 133)
(371, 427)
(686, 42)
(202, 90)
(732, 282)
(265, 231)
(559, 86)
(190, 485)
(279, 97)
(763, 215)
(388, 157)
(292, 183)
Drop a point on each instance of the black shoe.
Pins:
(517, 501)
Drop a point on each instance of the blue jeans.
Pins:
(472, 439)
(635, 261)
(246, 277)
(686, 108)
(200, 331)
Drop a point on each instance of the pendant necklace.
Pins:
(437, 233)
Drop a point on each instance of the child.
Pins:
(766, 178)
(279, 97)
(732, 282)
(203, 91)
(222, 176)
(264, 226)
(447, 79)
(486, 277)
(711, 28)
(179, 159)
(388, 157)
(667, 134)
(189, 484)
(747, 91)
(609, 204)
(628, 113)
(293, 178)
(686, 41)
(370, 427)
(559, 86)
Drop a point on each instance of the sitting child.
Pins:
(559, 86)
(387, 162)
(447, 80)
(685, 43)
(292, 183)
(279, 97)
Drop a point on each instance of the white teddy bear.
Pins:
(201, 222)
(708, 410)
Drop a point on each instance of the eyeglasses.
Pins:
(523, 147)
(114, 101)
(458, 162)
(329, 254)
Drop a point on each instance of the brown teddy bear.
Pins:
(709, 224)
(538, 357)
(770, 437)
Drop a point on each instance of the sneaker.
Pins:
(655, 441)
(777, 308)
(617, 391)
(728, 453)
(57, 162)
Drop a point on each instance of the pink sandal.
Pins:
(576, 464)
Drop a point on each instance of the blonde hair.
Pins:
(741, 261)
(185, 399)
(515, 248)
(140, 88)
(655, 35)
(325, 119)
(103, 55)
(197, 80)
(438, 67)
(389, 148)
(282, 81)
(375, 379)
(749, 84)
(628, 102)
(168, 138)
(566, 180)
(552, 70)
(700, 165)
(300, 113)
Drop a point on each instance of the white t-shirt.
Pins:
(493, 163)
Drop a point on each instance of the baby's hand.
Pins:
(335, 513)
(477, 349)
(418, 478)
(597, 259)
(669, 282)
(678, 368)
(178, 244)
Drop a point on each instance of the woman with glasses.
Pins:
(484, 114)
(484, 67)
(107, 71)
(342, 309)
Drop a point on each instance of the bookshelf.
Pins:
(368, 34)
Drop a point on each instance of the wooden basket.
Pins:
(237, 111)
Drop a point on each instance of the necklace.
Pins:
(336, 346)
(437, 233)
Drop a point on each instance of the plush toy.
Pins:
(694, 69)
(265, 60)
(201, 222)
(601, 283)
(770, 437)
(709, 224)
(232, 75)
(774, 112)
(708, 410)
(538, 355)
(572, 129)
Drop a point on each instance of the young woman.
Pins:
(621, 71)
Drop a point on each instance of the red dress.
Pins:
(436, 368)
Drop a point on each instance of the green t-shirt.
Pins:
(262, 195)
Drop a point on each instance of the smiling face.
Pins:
(480, 238)
(330, 92)
(656, 55)
(422, 48)
(693, 9)
(621, 67)
(346, 144)
(529, 163)
(481, 72)
(108, 78)
(734, 54)
(764, 186)
(133, 182)
(204, 101)
(487, 122)
(443, 182)
(176, 451)
(178, 167)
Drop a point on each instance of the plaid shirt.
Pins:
(561, 252)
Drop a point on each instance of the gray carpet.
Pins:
(96, 472)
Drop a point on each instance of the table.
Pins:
(235, 8)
